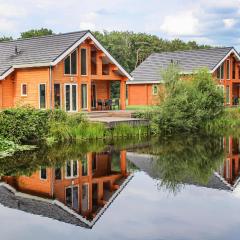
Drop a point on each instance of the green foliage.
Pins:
(228, 123)
(186, 159)
(4, 38)
(24, 124)
(188, 104)
(128, 131)
(36, 33)
(130, 48)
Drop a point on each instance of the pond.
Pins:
(185, 187)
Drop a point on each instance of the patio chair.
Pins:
(116, 104)
(100, 103)
(108, 104)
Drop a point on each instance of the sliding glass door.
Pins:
(71, 97)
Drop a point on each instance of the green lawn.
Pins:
(140, 107)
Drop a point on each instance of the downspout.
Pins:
(50, 87)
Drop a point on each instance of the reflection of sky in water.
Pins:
(141, 211)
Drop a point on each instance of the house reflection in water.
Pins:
(83, 187)
(230, 170)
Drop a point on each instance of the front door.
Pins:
(93, 95)
(71, 97)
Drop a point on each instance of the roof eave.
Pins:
(143, 82)
(233, 50)
(6, 73)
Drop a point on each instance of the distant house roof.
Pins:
(189, 61)
(44, 51)
(146, 163)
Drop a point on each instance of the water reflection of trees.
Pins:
(25, 163)
(186, 159)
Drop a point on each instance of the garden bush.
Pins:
(189, 104)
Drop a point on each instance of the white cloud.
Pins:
(184, 23)
(7, 25)
(10, 10)
(87, 25)
(229, 22)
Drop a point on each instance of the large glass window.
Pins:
(57, 96)
(71, 169)
(83, 61)
(74, 97)
(228, 69)
(67, 98)
(94, 62)
(84, 96)
(234, 69)
(85, 197)
(220, 72)
(70, 64)
(42, 96)
(72, 197)
(71, 97)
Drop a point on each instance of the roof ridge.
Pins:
(190, 50)
(45, 36)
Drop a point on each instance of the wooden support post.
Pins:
(123, 162)
(122, 95)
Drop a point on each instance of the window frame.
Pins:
(24, 95)
(60, 89)
(71, 187)
(88, 199)
(71, 84)
(39, 96)
(220, 70)
(40, 174)
(70, 58)
(153, 90)
(83, 48)
(228, 69)
(86, 96)
(72, 176)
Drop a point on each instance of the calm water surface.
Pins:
(181, 188)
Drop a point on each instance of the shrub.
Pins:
(24, 124)
(189, 104)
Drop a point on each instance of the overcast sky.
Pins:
(215, 22)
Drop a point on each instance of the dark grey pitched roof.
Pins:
(45, 209)
(190, 60)
(36, 50)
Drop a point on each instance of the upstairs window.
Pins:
(70, 64)
(234, 69)
(71, 169)
(24, 89)
(228, 69)
(83, 61)
(220, 72)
